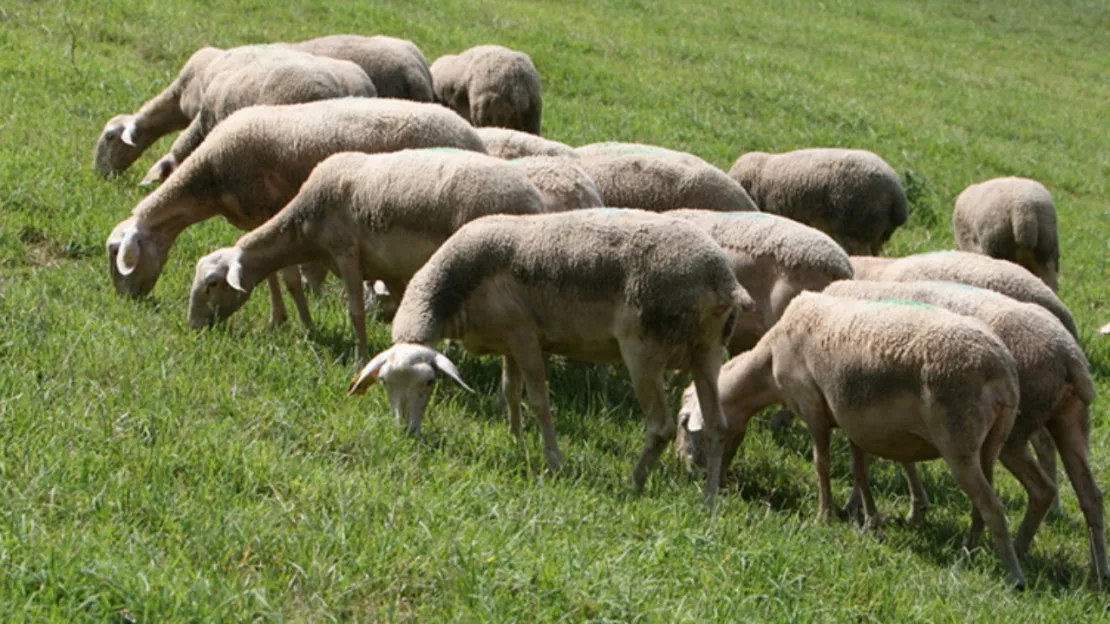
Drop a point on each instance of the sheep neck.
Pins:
(747, 385)
(170, 209)
(270, 248)
(160, 116)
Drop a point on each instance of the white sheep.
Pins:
(490, 85)
(562, 183)
(371, 217)
(396, 66)
(265, 75)
(596, 285)
(966, 268)
(905, 381)
(617, 148)
(774, 259)
(852, 195)
(656, 181)
(509, 144)
(254, 162)
(1011, 219)
(1056, 393)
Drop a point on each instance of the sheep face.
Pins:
(409, 374)
(218, 291)
(118, 146)
(135, 259)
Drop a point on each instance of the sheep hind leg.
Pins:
(278, 314)
(350, 270)
(919, 499)
(1039, 488)
(645, 368)
(969, 474)
(706, 367)
(1046, 457)
(1071, 432)
(292, 276)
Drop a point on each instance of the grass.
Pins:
(148, 473)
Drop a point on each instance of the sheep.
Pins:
(905, 381)
(490, 85)
(372, 217)
(274, 75)
(774, 259)
(966, 268)
(597, 285)
(1011, 219)
(852, 195)
(253, 163)
(659, 182)
(1056, 392)
(616, 148)
(561, 182)
(510, 144)
(396, 66)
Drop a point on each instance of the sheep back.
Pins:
(562, 183)
(491, 85)
(509, 144)
(397, 67)
(659, 183)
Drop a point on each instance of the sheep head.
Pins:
(409, 374)
(218, 288)
(688, 443)
(135, 258)
(119, 145)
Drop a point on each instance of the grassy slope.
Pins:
(150, 473)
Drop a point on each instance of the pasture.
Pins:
(151, 473)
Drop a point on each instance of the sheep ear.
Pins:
(128, 135)
(235, 276)
(368, 375)
(448, 368)
(127, 258)
(692, 421)
(159, 172)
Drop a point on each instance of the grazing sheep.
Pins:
(616, 148)
(966, 268)
(254, 162)
(852, 195)
(1056, 392)
(274, 75)
(397, 67)
(562, 183)
(509, 144)
(596, 285)
(774, 259)
(1011, 219)
(659, 182)
(372, 217)
(490, 85)
(905, 381)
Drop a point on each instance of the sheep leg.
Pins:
(530, 361)
(277, 304)
(706, 367)
(646, 371)
(1046, 457)
(314, 274)
(1071, 431)
(511, 386)
(292, 276)
(350, 270)
(732, 441)
(919, 499)
(820, 435)
(1038, 486)
(969, 474)
(782, 419)
(861, 484)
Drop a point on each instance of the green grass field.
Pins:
(148, 473)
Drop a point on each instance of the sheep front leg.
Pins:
(511, 386)
(292, 276)
(530, 360)
(350, 270)
(861, 481)
(646, 371)
(277, 304)
(919, 499)
(819, 432)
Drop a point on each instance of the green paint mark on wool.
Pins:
(906, 302)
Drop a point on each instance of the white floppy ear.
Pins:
(369, 373)
(127, 258)
(692, 421)
(128, 135)
(445, 365)
(235, 275)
